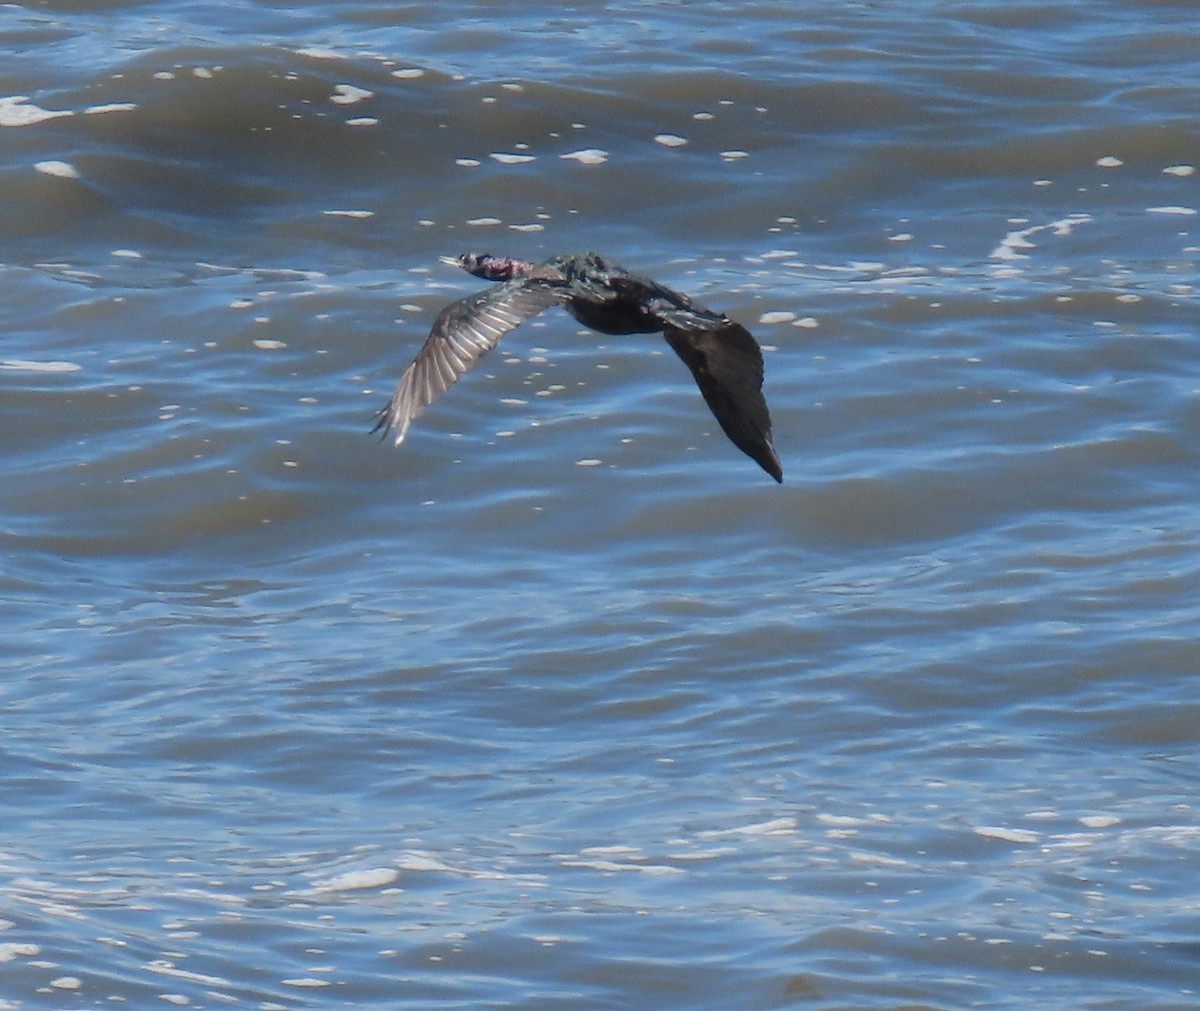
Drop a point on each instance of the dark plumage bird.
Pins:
(725, 360)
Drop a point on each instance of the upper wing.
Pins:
(462, 333)
(727, 365)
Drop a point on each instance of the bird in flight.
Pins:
(724, 359)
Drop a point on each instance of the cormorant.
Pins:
(724, 359)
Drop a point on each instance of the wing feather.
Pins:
(463, 333)
(727, 364)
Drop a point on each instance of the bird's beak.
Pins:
(453, 261)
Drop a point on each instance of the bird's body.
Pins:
(724, 359)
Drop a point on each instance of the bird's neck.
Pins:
(505, 268)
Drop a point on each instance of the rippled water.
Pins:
(564, 704)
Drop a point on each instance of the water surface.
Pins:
(564, 704)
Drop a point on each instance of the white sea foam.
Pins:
(10, 951)
(98, 110)
(27, 365)
(15, 110)
(1017, 835)
(370, 877)
(319, 53)
(164, 967)
(775, 826)
(414, 861)
(776, 316)
(349, 94)
(58, 169)
(1011, 246)
(587, 156)
(841, 820)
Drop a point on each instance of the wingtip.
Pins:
(384, 427)
(770, 463)
(385, 430)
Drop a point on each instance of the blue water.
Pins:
(564, 703)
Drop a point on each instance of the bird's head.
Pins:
(478, 264)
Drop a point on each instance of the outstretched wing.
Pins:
(727, 365)
(462, 333)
